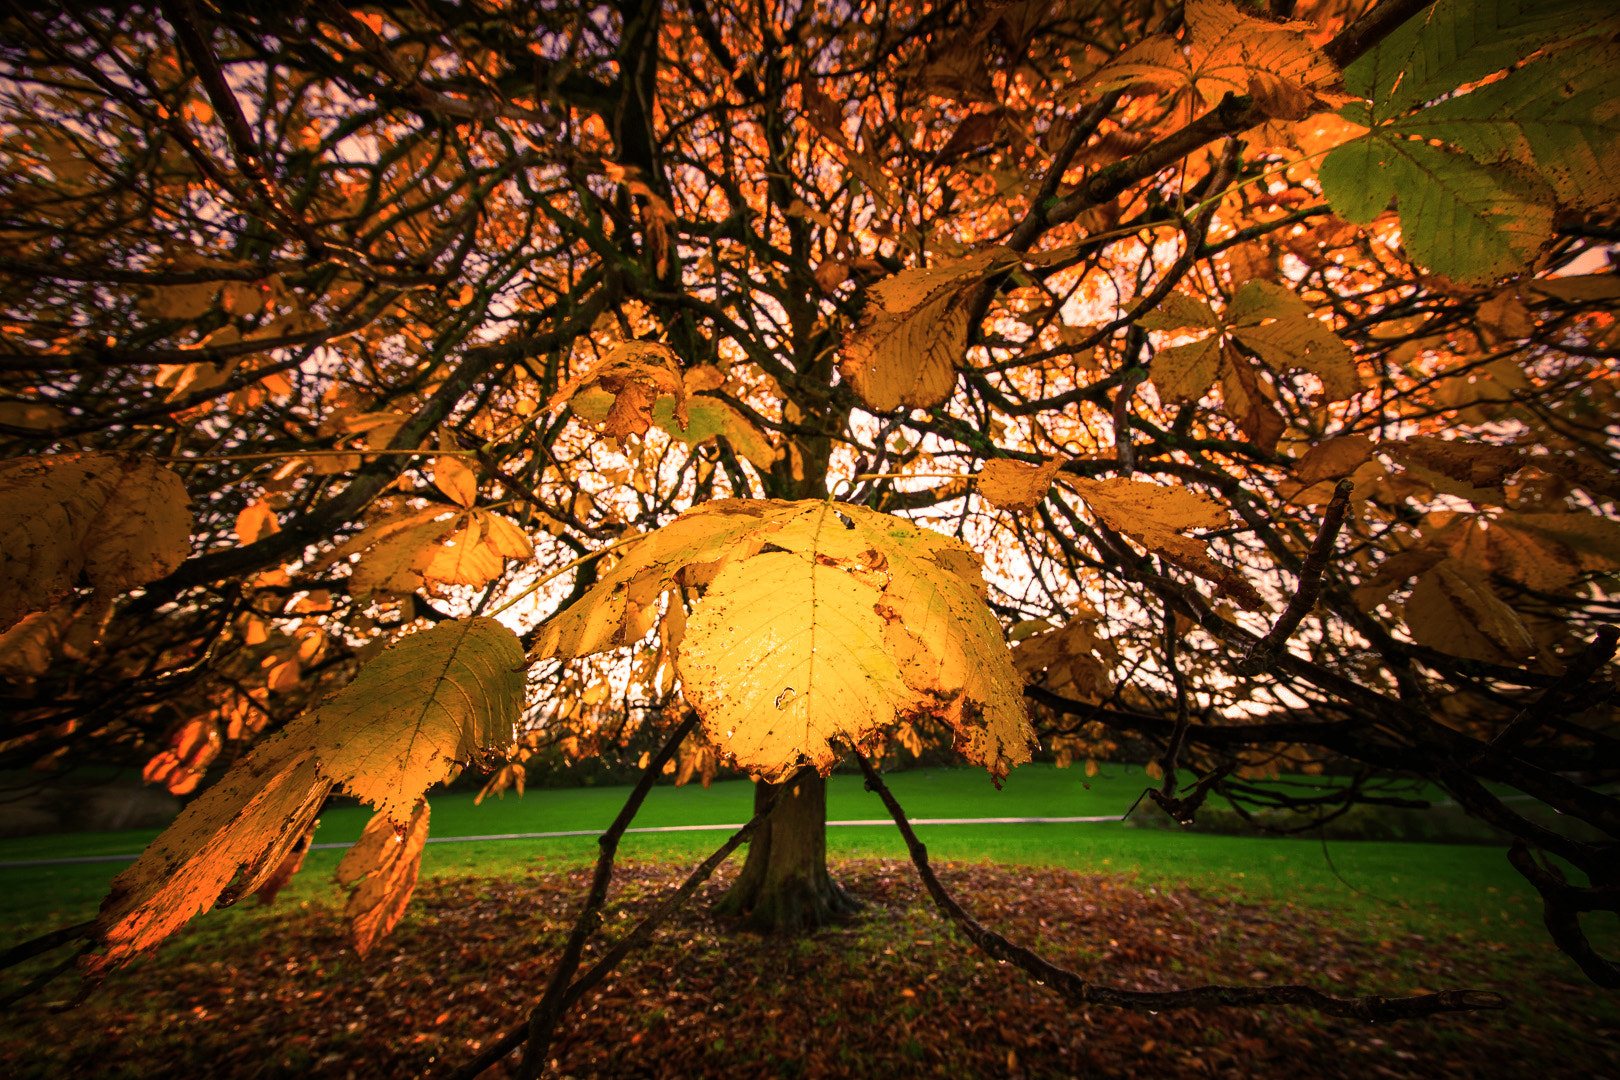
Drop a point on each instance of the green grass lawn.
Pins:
(1426, 887)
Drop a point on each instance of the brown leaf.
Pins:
(1158, 517)
(1333, 458)
(631, 413)
(106, 520)
(1452, 608)
(904, 351)
(1016, 485)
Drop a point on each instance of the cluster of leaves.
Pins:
(1267, 368)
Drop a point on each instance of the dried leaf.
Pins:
(381, 870)
(1017, 485)
(1157, 516)
(1333, 458)
(458, 482)
(107, 520)
(905, 350)
(1453, 609)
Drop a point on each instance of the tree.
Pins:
(1267, 367)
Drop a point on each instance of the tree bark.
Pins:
(784, 886)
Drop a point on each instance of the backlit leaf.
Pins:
(428, 705)
(232, 836)
(785, 655)
(380, 871)
(1017, 485)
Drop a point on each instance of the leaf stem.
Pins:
(560, 571)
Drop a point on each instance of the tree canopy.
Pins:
(752, 380)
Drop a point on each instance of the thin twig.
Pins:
(638, 936)
(1599, 651)
(1264, 651)
(1078, 991)
(543, 1021)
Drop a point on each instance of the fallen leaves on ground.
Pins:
(894, 993)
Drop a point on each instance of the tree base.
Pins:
(784, 887)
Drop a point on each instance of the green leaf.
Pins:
(1560, 115)
(709, 417)
(429, 704)
(1471, 222)
(1460, 41)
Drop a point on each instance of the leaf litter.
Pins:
(893, 993)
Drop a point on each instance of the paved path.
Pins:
(596, 832)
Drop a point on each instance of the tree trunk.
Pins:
(784, 886)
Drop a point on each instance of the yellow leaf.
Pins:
(114, 521)
(462, 559)
(503, 534)
(397, 552)
(709, 533)
(426, 706)
(1016, 485)
(452, 476)
(923, 606)
(785, 655)
(380, 871)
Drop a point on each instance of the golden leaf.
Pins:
(256, 520)
(426, 706)
(1157, 516)
(940, 652)
(452, 476)
(637, 373)
(785, 655)
(905, 349)
(1017, 485)
(380, 871)
(110, 520)
(707, 534)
